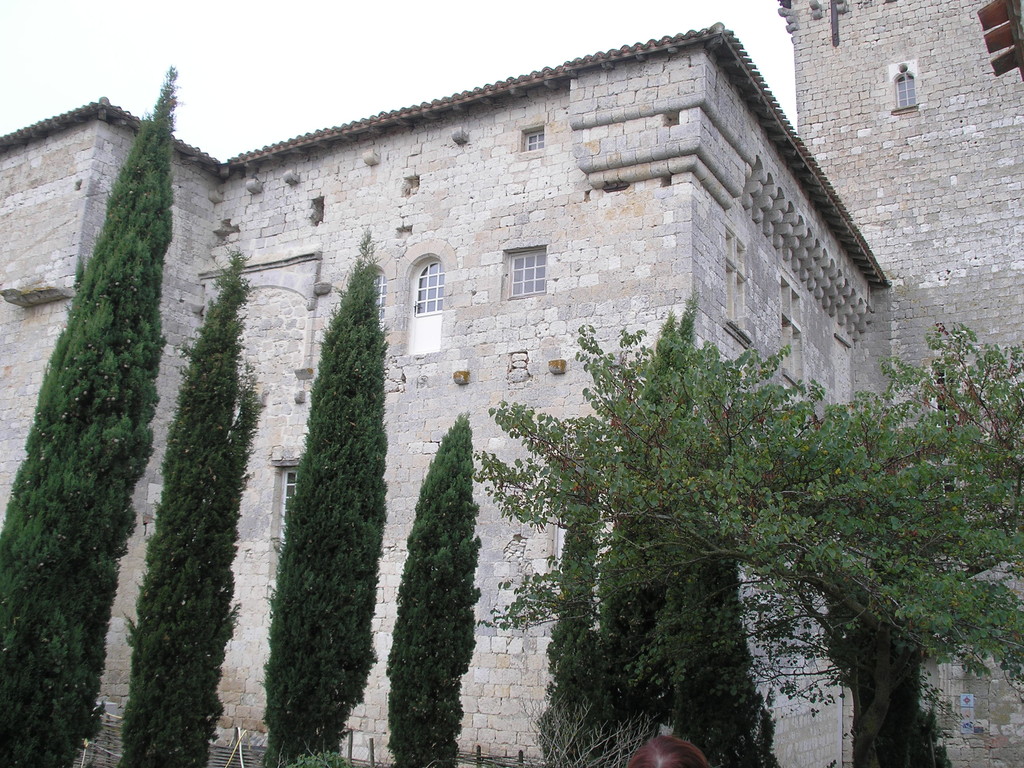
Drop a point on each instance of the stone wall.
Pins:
(936, 188)
(653, 170)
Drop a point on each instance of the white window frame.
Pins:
(289, 482)
(284, 491)
(534, 139)
(905, 81)
(428, 299)
(380, 282)
(527, 273)
(906, 90)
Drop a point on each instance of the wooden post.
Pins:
(348, 750)
(479, 756)
(371, 753)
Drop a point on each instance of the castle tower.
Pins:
(898, 101)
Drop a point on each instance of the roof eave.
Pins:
(103, 111)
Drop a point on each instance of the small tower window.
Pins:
(533, 139)
(906, 88)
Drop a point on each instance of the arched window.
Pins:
(906, 88)
(430, 289)
(428, 301)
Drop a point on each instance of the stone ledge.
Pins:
(31, 297)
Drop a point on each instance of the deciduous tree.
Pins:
(893, 519)
(70, 511)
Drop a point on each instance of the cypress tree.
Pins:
(579, 683)
(703, 649)
(433, 637)
(321, 642)
(184, 611)
(676, 648)
(70, 511)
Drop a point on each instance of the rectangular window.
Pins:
(284, 491)
(528, 272)
(381, 283)
(735, 280)
(533, 139)
(289, 480)
(793, 364)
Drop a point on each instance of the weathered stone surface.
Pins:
(651, 171)
(937, 189)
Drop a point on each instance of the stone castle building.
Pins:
(604, 191)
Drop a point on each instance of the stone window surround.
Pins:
(904, 80)
(735, 279)
(287, 474)
(906, 91)
(533, 139)
(792, 366)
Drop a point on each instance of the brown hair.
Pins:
(668, 752)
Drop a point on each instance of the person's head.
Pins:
(668, 752)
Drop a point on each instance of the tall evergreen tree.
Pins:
(70, 511)
(575, 655)
(703, 651)
(434, 637)
(184, 607)
(321, 642)
(672, 649)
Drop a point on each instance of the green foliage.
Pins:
(320, 760)
(185, 617)
(321, 643)
(909, 736)
(70, 510)
(579, 675)
(434, 631)
(894, 519)
(665, 650)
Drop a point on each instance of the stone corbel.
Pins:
(34, 296)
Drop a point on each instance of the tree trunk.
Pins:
(868, 722)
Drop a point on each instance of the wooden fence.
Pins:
(105, 751)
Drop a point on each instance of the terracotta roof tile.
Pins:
(97, 110)
(536, 78)
(720, 42)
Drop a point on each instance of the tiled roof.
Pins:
(721, 43)
(548, 77)
(741, 71)
(97, 110)
(731, 56)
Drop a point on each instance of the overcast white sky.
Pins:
(258, 72)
